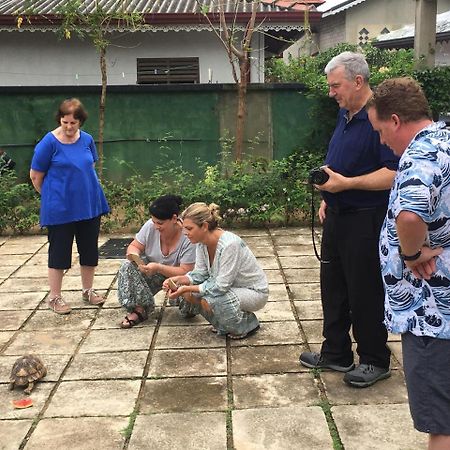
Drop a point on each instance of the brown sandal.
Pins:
(130, 323)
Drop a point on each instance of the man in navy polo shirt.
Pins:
(361, 172)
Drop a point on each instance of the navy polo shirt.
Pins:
(355, 150)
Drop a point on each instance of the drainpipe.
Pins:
(425, 34)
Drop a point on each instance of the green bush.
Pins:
(19, 205)
(249, 193)
(383, 64)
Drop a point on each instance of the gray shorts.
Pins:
(426, 362)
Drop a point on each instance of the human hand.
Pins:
(180, 291)
(424, 266)
(322, 211)
(149, 269)
(336, 182)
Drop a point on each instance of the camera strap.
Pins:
(313, 214)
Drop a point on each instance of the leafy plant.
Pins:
(19, 205)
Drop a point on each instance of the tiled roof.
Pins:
(38, 7)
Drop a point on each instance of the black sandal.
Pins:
(130, 323)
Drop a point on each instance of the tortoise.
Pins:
(26, 371)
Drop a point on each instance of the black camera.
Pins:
(318, 176)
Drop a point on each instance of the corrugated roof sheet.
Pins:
(331, 7)
(38, 7)
(442, 26)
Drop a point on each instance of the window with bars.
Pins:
(168, 71)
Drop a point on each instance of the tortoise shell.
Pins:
(27, 369)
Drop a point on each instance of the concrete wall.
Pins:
(373, 15)
(40, 59)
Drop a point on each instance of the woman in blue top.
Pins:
(72, 200)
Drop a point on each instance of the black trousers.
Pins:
(60, 238)
(351, 287)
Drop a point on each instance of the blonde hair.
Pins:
(200, 213)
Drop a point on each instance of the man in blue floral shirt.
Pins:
(415, 250)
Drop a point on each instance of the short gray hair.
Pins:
(353, 63)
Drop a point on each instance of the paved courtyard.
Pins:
(172, 384)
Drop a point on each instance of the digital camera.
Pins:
(318, 176)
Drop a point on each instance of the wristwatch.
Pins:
(411, 257)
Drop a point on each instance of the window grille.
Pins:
(168, 71)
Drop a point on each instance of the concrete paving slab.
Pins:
(188, 337)
(275, 311)
(184, 395)
(273, 276)
(30, 271)
(13, 432)
(187, 372)
(112, 301)
(13, 320)
(394, 337)
(391, 390)
(299, 262)
(21, 300)
(105, 267)
(187, 431)
(112, 317)
(55, 365)
(117, 340)
(294, 250)
(313, 330)
(387, 427)
(44, 342)
(38, 260)
(48, 320)
(25, 285)
(268, 262)
(80, 433)
(14, 260)
(285, 231)
(305, 291)
(101, 282)
(278, 293)
(243, 232)
(266, 359)
(6, 271)
(263, 251)
(39, 395)
(292, 239)
(258, 241)
(28, 240)
(271, 391)
(172, 317)
(285, 428)
(188, 363)
(396, 349)
(301, 275)
(97, 366)
(272, 333)
(309, 310)
(94, 398)
(5, 336)
(17, 248)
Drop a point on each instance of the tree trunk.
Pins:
(101, 118)
(241, 108)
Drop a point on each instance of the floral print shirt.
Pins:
(422, 186)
